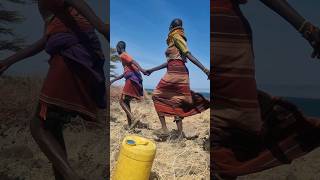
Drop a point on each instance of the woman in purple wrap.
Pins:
(75, 83)
(133, 88)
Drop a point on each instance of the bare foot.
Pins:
(130, 130)
(161, 134)
(142, 125)
(134, 123)
(177, 136)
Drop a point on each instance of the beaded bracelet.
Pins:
(303, 25)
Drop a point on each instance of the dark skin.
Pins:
(124, 99)
(164, 130)
(190, 57)
(284, 9)
(38, 46)
(50, 137)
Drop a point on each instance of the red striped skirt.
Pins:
(287, 135)
(246, 135)
(233, 81)
(68, 89)
(173, 97)
(133, 89)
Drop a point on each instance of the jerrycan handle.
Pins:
(132, 142)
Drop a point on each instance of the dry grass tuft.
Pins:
(184, 160)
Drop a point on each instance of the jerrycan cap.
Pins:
(132, 142)
(138, 148)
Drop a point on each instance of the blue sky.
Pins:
(143, 25)
(283, 63)
(282, 56)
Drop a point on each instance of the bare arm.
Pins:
(82, 7)
(197, 63)
(181, 44)
(139, 67)
(157, 68)
(117, 78)
(283, 8)
(310, 32)
(29, 51)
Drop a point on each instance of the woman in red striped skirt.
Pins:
(252, 131)
(75, 83)
(173, 97)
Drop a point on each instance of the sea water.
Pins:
(310, 107)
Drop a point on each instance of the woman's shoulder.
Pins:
(179, 38)
(125, 56)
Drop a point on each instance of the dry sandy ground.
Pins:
(20, 157)
(184, 160)
(189, 160)
(304, 168)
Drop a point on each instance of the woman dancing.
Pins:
(133, 88)
(172, 96)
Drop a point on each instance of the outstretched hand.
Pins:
(149, 71)
(3, 67)
(146, 72)
(312, 34)
(207, 72)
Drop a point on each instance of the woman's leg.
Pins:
(51, 143)
(125, 104)
(164, 127)
(178, 121)
(57, 131)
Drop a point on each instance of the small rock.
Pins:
(182, 144)
(113, 119)
(190, 135)
(194, 171)
(142, 125)
(206, 144)
(154, 176)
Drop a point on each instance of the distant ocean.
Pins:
(306, 97)
(309, 106)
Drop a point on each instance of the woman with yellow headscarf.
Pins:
(173, 97)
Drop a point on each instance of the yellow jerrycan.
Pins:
(135, 159)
